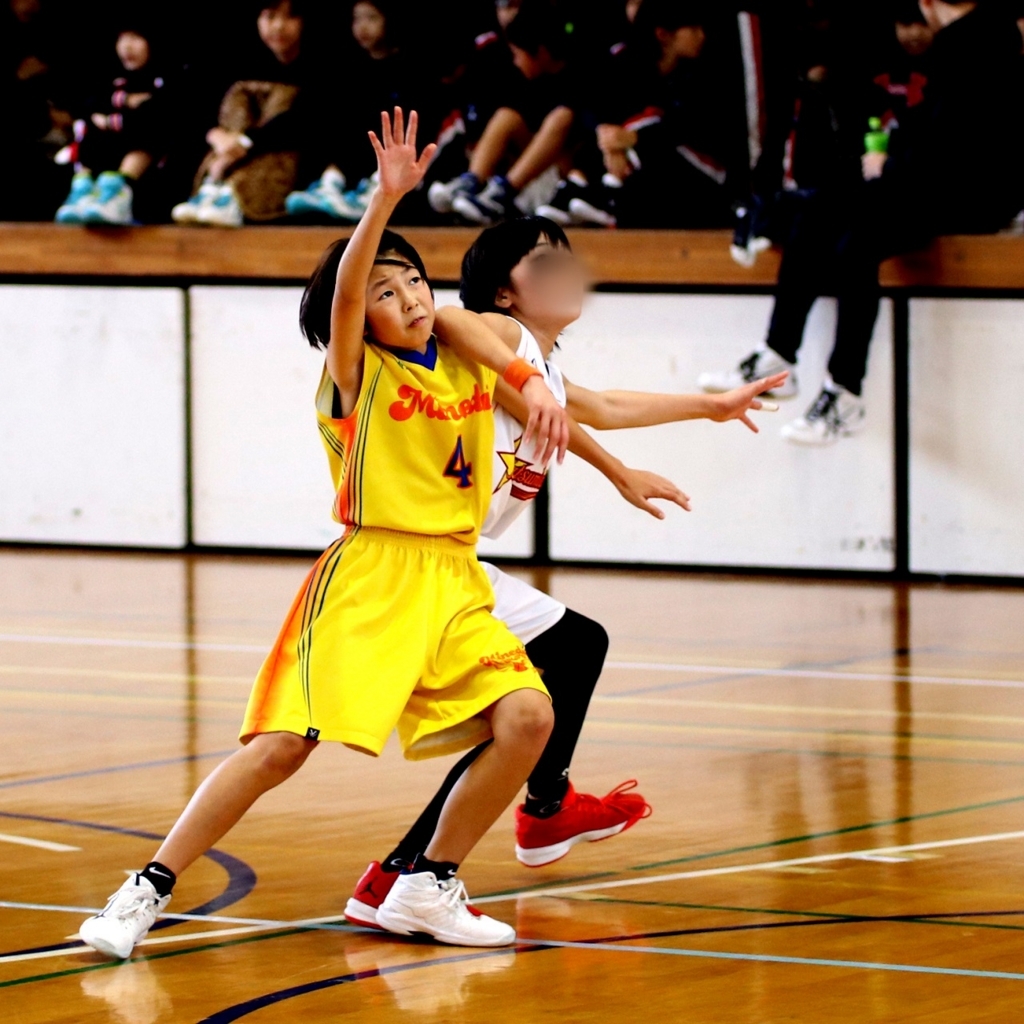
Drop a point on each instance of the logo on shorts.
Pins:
(312, 734)
(515, 660)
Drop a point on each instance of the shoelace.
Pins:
(825, 408)
(456, 893)
(125, 902)
(749, 368)
(623, 788)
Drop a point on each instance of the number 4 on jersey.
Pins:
(459, 468)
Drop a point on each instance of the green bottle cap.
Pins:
(876, 140)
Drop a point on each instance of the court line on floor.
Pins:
(241, 877)
(41, 844)
(743, 670)
(782, 730)
(765, 865)
(101, 641)
(85, 772)
(801, 673)
(802, 709)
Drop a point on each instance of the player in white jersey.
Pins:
(522, 277)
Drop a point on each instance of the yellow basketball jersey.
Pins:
(415, 454)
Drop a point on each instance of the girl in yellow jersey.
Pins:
(392, 628)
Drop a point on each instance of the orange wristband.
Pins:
(518, 372)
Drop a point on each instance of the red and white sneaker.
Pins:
(371, 891)
(581, 818)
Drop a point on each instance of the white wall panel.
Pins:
(92, 438)
(967, 459)
(259, 470)
(757, 500)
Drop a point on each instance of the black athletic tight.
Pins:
(570, 655)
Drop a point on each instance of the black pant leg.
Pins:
(570, 656)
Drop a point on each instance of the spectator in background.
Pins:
(121, 134)
(254, 149)
(378, 76)
(36, 120)
(954, 165)
(530, 131)
(898, 84)
(666, 127)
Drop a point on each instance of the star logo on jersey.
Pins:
(513, 464)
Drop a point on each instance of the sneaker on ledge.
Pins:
(762, 363)
(835, 413)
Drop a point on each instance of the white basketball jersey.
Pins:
(517, 476)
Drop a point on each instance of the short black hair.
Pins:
(540, 23)
(297, 8)
(672, 15)
(491, 258)
(315, 307)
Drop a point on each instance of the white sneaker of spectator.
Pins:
(188, 212)
(835, 413)
(223, 210)
(441, 194)
(762, 363)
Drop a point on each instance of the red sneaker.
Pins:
(581, 818)
(370, 892)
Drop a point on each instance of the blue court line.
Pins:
(241, 877)
(239, 1010)
(769, 958)
(162, 763)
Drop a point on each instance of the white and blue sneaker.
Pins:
(188, 211)
(223, 210)
(763, 363)
(441, 194)
(72, 210)
(495, 202)
(353, 203)
(324, 196)
(110, 202)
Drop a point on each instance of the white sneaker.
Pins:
(188, 212)
(441, 193)
(125, 920)
(420, 904)
(836, 413)
(223, 210)
(762, 363)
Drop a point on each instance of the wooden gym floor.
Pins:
(836, 769)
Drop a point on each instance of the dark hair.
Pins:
(539, 23)
(297, 8)
(671, 15)
(907, 12)
(315, 307)
(491, 258)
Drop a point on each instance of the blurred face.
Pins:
(506, 10)
(369, 27)
(685, 43)
(399, 305)
(25, 10)
(132, 50)
(280, 31)
(632, 9)
(547, 286)
(915, 38)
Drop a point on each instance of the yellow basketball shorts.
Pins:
(390, 629)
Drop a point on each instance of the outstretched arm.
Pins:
(615, 410)
(637, 486)
(475, 340)
(400, 172)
